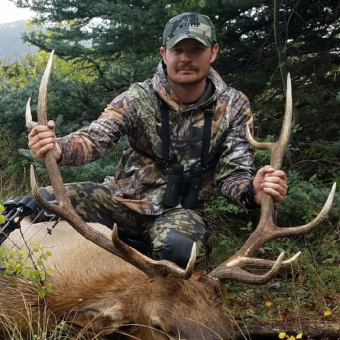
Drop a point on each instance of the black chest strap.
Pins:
(164, 108)
(208, 115)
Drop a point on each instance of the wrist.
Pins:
(249, 199)
(57, 152)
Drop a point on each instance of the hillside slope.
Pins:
(11, 44)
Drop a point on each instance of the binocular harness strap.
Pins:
(208, 114)
(164, 108)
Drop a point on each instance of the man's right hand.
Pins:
(42, 138)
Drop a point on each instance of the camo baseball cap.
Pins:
(189, 25)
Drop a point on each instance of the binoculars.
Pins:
(183, 185)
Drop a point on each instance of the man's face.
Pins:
(188, 61)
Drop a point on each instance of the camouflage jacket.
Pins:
(139, 182)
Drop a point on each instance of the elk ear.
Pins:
(98, 319)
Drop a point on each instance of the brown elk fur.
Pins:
(96, 290)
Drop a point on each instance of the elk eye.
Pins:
(157, 327)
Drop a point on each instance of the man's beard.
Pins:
(188, 81)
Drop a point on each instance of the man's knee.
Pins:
(174, 234)
(177, 248)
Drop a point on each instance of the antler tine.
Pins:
(277, 149)
(29, 122)
(51, 165)
(236, 273)
(250, 262)
(159, 266)
(266, 229)
(151, 268)
(240, 275)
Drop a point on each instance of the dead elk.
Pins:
(108, 287)
(98, 291)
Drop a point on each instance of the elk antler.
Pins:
(29, 122)
(151, 268)
(266, 229)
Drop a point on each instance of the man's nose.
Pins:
(186, 56)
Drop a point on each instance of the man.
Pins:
(186, 133)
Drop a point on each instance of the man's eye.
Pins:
(198, 50)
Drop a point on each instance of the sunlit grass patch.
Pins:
(40, 329)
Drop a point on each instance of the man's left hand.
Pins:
(271, 181)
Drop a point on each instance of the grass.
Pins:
(62, 331)
(8, 182)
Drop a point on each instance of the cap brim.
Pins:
(172, 42)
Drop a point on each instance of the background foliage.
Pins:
(104, 46)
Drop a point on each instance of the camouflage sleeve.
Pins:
(94, 141)
(236, 169)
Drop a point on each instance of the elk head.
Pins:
(201, 296)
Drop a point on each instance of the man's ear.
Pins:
(214, 51)
(162, 51)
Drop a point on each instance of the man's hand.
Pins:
(42, 139)
(271, 181)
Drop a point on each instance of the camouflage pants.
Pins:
(167, 236)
